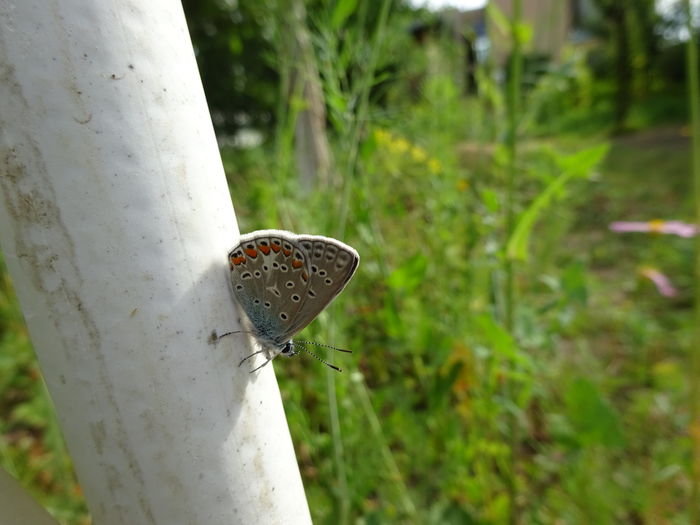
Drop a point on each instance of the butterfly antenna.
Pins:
(324, 346)
(235, 332)
(301, 345)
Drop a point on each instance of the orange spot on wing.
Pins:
(287, 252)
(251, 252)
(276, 247)
(305, 276)
(264, 249)
(237, 260)
(296, 263)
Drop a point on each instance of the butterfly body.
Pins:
(283, 281)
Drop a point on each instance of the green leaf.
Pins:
(496, 336)
(582, 162)
(410, 275)
(343, 9)
(573, 282)
(592, 416)
(490, 200)
(523, 32)
(577, 165)
(498, 17)
(501, 342)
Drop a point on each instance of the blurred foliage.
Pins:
(234, 49)
(419, 428)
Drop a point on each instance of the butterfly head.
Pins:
(288, 349)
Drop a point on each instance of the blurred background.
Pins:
(517, 177)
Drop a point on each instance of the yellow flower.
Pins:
(400, 145)
(656, 225)
(418, 154)
(434, 166)
(382, 136)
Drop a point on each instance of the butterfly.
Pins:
(283, 281)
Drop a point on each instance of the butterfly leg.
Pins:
(258, 368)
(251, 355)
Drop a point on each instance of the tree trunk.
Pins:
(115, 221)
(615, 13)
(313, 152)
(623, 70)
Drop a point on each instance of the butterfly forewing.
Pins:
(268, 276)
(246, 265)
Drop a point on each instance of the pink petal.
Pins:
(629, 226)
(662, 283)
(680, 228)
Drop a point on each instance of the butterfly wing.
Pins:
(330, 266)
(269, 273)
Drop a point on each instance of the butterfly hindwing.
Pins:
(331, 265)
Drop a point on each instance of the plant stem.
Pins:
(694, 95)
(338, 449)
(513, 99)
(375, 428)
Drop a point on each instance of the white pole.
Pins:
(115, 221)
(17, 507)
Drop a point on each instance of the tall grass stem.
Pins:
(694, 95)
(375, 427)
(513, 103)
